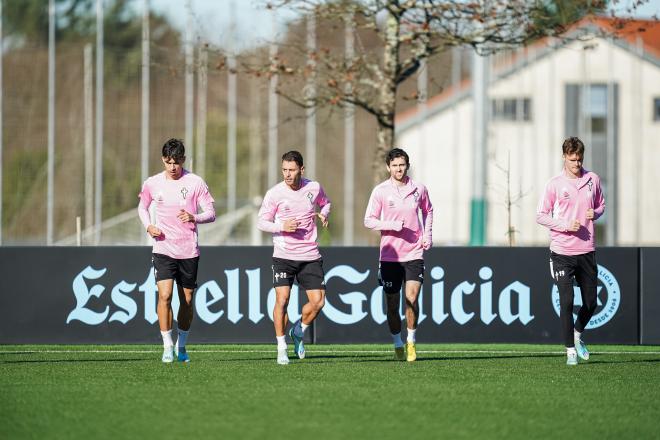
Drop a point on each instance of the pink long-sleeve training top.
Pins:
(283, 203)
(565, 200)
(394, 211)
(188, 192)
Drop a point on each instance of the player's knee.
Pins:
(282, 303)
(165, 298)
(319, 303)
(591, 305)
(411, 299)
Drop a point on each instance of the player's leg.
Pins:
(412, 313)
(414, 276)
(282, 282)
(562, 268)
(280, 320)
(390, 276)
(315, 302)
(187, 282)
(164, 271)
(586, 275)
(184, 320)
(311, 278)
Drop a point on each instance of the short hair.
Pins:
(573, 145)
(174, 149)
(394, 153)
(293, 156)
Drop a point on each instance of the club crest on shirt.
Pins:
(416, 195)
(184, 192)
(310, 197)
(590, 184)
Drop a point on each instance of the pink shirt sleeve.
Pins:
(427, 216)
(545, 208)
(372, 216)
(143, 205)
(205, 201)
(599, 205)
(267, 222)
(323, 202)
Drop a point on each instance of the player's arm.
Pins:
(427, 219)
(323, 202)
(544, 211)
(266, 217)
(372, 216)
(599, 202)
(143, 211)
(205, 202)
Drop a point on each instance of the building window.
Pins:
(511, 109)
(656, 109)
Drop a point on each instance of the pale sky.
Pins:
(212, 19)
(254, 23)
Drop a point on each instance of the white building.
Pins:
(604, 90)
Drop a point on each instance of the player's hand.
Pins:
(398, 225)
(324, 221)
(426, 244)
(573, 226)
(290, 225)
(185, 216)
(590, 214)
(154, 231)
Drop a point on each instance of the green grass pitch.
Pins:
(337, 392)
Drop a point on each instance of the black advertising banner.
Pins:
(108, 295)
(479, 295)
(650, 295)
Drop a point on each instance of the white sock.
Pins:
(576, 334)
(411, 335)
(397, 340)
(281, 342)
(183, 337)
(303, 327)
(167, 338)
(570, 350)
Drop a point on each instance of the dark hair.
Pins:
(394, 153)
(293, 156)
(573, 145)
(174, 149)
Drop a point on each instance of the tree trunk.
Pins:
(385, 142)
(387, 98)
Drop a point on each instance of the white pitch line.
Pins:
(330, 351)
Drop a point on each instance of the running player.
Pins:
(289, 212)
(572, 201)
(394, 208)
(177, 194)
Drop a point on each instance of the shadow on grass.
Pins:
(387, 358)
(624, 361)
(54, 361)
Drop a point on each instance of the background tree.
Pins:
(408, 32)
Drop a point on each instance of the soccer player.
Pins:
(289, 212)
(177, 194)
(572, 201)
(394, 208)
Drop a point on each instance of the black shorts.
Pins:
(183, 271)
(309, 274)
(563, 268)
(391, 274)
